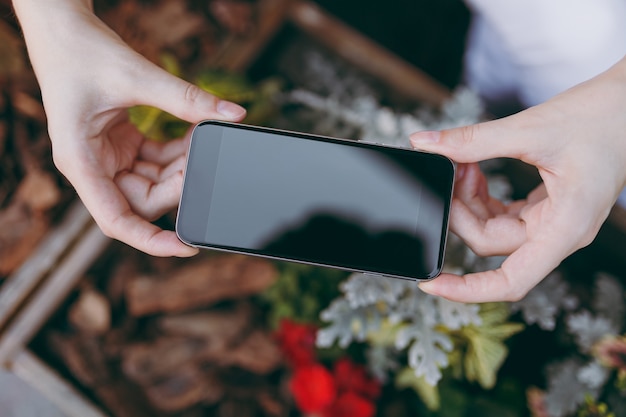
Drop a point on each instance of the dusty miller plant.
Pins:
(400, 323)
(573, 381)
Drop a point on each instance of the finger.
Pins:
(147, 198)
(538, 194)
(113, 214)
(472, 189)
(508, 137)
(158, 88)
(146, 237)
(163, 153)
(148, 170)
(157, 173)
(519, 273)
(499, 235)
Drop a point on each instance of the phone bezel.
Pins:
(339, 141)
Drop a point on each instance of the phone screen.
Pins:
(324, 201)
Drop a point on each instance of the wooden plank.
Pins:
(238, 53)
(52, 293)
(366, 55)
(199, 284)
(52, 386)
(21, 284)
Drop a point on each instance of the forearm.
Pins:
(39, 19)
(604, 108)
(27, 9)
(620, 71)
(53, 27)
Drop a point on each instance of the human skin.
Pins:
(577, 142)
(89, 78)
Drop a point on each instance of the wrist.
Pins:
(56, 32)
(39, 20)
(25, 8)
(618, 74)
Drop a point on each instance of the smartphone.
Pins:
(317, 200)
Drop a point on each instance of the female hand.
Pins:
(577, 141)
(89, 78)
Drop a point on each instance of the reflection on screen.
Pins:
(352, 207)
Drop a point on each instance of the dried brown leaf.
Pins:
(147, 363)
(258, 353)
(199, 284)
(170, 22)
(28, 106)
(91, 312)
(38, 191)
(184, 389)
(19, 233)
(235, 16)
(151, 29)
(220, 327)
(82, 356)
(12, 56)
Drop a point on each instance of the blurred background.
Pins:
(90, 327)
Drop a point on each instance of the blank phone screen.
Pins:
(316, 200)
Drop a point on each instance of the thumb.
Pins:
(499, 138)
(160, 89)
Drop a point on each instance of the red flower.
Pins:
(350, 404)
(297, 342)
(346, 392)
(313, 388)
(353, 377)
(611, 352)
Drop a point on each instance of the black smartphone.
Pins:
(317, 200)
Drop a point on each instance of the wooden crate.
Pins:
(42, 284)
(34, 292)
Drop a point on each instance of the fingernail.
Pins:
(423, 138)
(426, 287)
(230, 110)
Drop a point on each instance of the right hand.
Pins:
(89, 78)
(577, 141)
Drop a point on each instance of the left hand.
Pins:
(577, 141)
(89, 78)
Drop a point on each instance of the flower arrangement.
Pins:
(437, 348)
(346, 389)
(354, 342)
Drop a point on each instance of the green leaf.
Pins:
(429, 394)
(484, 357)
(486, 351)
(386, 334)
(227, 86)
(300, 292)
(156, 124)
(170, 63)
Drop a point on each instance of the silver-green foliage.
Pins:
(338, 102)
(368, 299)
(580, 376)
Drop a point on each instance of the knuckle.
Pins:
(107, 231)
(585, 233)
(595, 225)
(58, 159)
(515, 294)
(588, 236)
(516, 287)
(481, 249)
(466, 135)
(479, 246)
(61, 160)
(192, 93)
